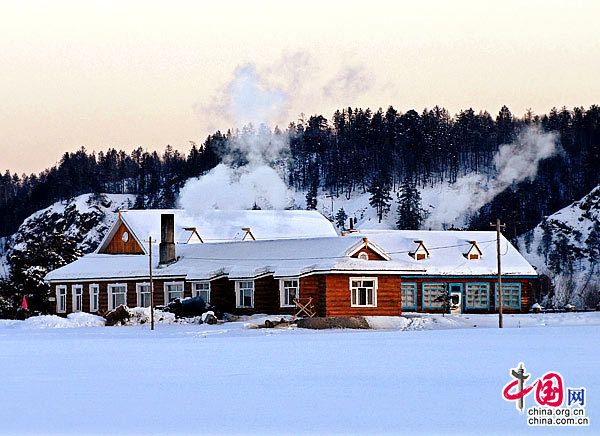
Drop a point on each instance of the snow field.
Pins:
(186, 379)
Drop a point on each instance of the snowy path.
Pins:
(227, 379)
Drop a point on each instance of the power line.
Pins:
(322, 257)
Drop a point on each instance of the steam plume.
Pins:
(514, 163)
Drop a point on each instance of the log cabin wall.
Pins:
(314, 286)
(330, 293)
(222, 294)
(338, 301)
(159, 292)
(266, 297)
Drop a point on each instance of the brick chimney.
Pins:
(167, 238)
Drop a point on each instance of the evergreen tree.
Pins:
(410, 213)
(380, 195)
(311, 197)
(340, 219)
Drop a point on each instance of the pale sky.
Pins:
(125, 74)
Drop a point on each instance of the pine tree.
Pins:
(340, 219)
(311, 196)
(380, 194)
(410, 213)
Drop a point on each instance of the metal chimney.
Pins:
(167, 238)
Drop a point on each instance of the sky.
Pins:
(126, 74)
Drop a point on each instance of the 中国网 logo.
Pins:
(556, 405)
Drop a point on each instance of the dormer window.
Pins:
(421, 252)
(363, 256)
(474, 253)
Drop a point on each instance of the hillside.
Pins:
(566, 248)
(55, 236)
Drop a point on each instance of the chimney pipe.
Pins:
(352, 224)
(167, 238)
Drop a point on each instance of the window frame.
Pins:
(363, 279)
(283, 289)
(519, 285)
(196, 293)
(58, 298)
(110, 290)
(138, 293)
(94, 290)
(166, 292)
(363, 255)
(415, 298)
(238, 288)
(75, 307)
(429, 306)
(466, 295)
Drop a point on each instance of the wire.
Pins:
(322, 257)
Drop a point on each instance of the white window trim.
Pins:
(282, 291)
(166, 292)
(74, 297)
(237, 294)
(58, 288)
(363, 255)
(375, 288)
(194, 294)
(110, 292)
(138, 292)
(95, 286)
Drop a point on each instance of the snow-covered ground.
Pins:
(227, 378)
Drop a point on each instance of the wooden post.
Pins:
(498, 255)
(151, 284)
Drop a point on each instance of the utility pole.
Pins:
(498, 229)
(151, 284)
(331, 196)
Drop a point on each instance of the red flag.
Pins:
(24, 303)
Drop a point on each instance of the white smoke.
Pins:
(514, 163)
(248, 99)
(348, 83)
(251, 100)
(257, 98)
(232, 189)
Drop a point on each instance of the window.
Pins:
(288, 292)
(244, 294)
(202, 290)
(94, 297)
(61, 299)
(477, 295)
(173, 291)
(409, 295)
(363, 292)
(511, 295)
(77, 298)
(117, 296)
(363, 256)
(431, 291)
(143, 294)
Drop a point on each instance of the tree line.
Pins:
(358, 150)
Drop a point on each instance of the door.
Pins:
(455, 297)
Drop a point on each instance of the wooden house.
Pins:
(377, 272)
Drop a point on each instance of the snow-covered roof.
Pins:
(225, 225)
(447, 251)
(296, 257)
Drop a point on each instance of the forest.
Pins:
(356, 150)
